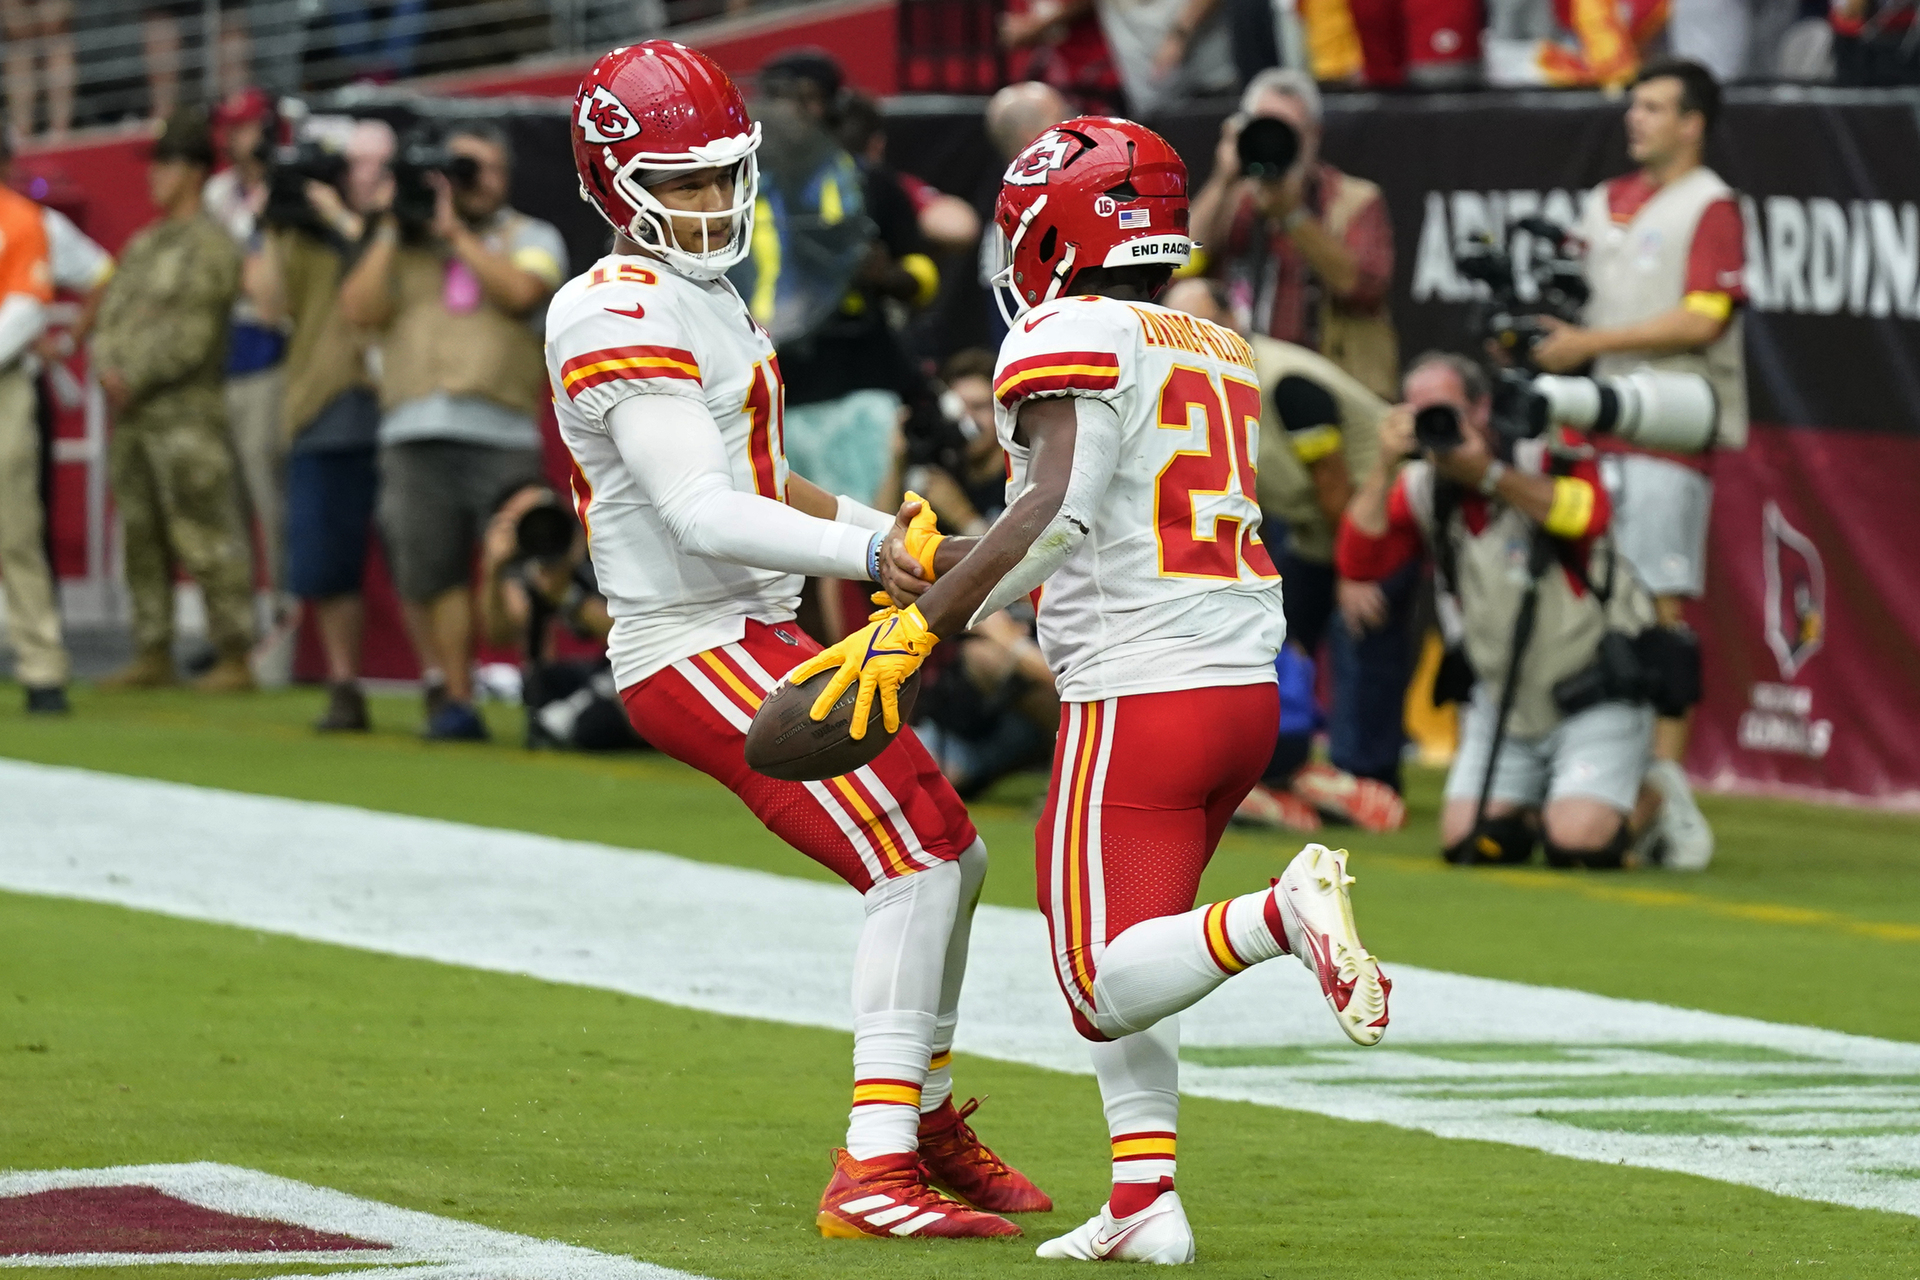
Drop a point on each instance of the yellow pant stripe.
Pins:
(731, 680)
(1143, 1148)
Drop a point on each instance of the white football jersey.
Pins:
(633, 327)
(1171, 588)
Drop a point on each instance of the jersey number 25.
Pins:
(1226, 463)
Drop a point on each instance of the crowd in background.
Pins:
(68, 64)
(297, 374)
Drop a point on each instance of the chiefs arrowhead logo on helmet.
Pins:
(603, 118)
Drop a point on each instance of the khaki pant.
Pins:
(254, 403)
(33, 622)
(173, 484)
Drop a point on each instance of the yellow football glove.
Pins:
(923, 537)
(881, 655)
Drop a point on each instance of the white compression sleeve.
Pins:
(22, 318)
(672, 448)
(1096, 451)
(860, 515)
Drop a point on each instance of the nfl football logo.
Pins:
(1132, 219)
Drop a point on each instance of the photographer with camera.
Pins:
(535, 573)
(1306, 250)
(1544, 616)
(1665, 264)
(315, 222)
(455, 283)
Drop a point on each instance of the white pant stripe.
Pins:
(849, 825)
(891, 810)
(1096, 875)
(1062, 806)
(738, 652)
(728, 709)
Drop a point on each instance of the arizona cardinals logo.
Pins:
(1796, 606)
(604, 118)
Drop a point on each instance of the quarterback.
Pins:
(1131, 431)
(669, 398)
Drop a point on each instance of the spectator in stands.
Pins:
(1567, 44)
(1167, 51)
(535, 577)
(459, 305)
(1059, 43)
(1568, 774)
(38, 31)
(1873, 43)
(377, 47)
(1432, 44)
(245, 129)
(1319, 428)
(848, 380)
(159, 351)
(33, 616)
(1666, 263)
(1307, 257)
(333, 411)
(947, 222)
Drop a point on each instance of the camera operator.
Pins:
(535, 573)
(1665, 263)
(458, 297)
(1306, 250)
(1537, 597)
(315, 222)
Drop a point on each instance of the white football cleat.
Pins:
(1683, 828)
(1318, 917)
(1158, 1233)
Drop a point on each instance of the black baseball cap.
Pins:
(185, 136)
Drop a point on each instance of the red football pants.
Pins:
(890, 818)
(1142, 788)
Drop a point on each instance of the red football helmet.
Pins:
(651, 110)
(1093, 192)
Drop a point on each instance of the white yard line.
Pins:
(457, 1250)
(1805, 1112)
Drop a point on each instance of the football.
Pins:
(784, 742)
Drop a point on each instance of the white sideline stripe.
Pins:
(757, 945)
(463, 1250)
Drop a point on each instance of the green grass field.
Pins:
(699, 1141)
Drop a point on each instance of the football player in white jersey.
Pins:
(1133, 432)
(669, 397)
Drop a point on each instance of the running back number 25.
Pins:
(1187, 550)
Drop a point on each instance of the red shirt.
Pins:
(1364, 557)
(1717, 258)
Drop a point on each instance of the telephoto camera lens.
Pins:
(1437, 427)
(545, 533)
(1268, 148)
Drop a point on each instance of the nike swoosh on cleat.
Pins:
(1104, 1245)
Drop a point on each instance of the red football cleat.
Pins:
(888, 1197)
(1366, 803)
(957, 1160)
(1264, 807)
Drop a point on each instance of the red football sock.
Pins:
(1129, 1198)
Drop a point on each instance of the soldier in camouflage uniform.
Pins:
(159, 349)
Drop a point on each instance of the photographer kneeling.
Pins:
(534, 573)
(1556, 738)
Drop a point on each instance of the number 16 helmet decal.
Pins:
(652, 110)
(1092, 192)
